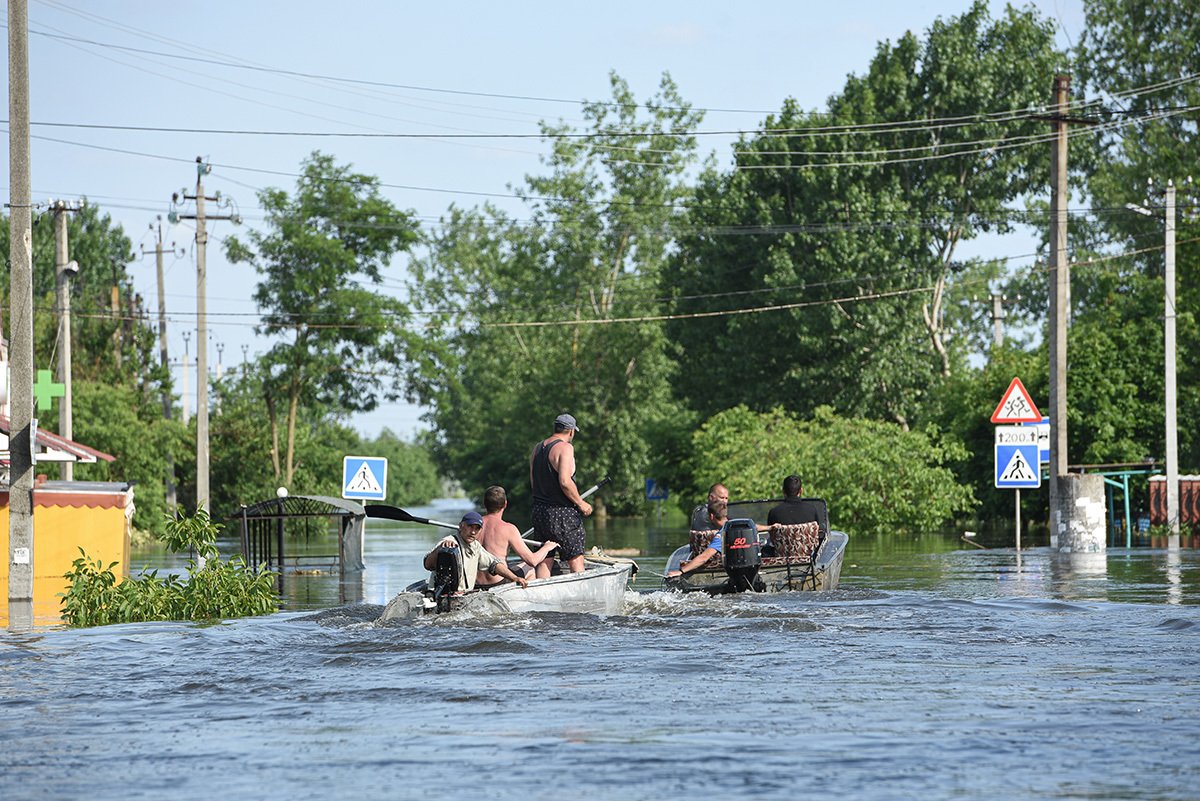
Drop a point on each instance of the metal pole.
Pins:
(1060, 306)
(1018, 517)
(1172, 437)
(201, 345)
(62, 276)
(20, 493)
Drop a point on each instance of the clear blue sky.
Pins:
(748, 56)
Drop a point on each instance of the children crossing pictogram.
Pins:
(1016, 406)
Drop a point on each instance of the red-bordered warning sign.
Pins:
(1016, 406)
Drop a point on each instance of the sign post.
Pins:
(1017, 464)
(656, 491)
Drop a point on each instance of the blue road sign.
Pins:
(655, 490)
(1043, 435)
(364, 478)
(1017, 458)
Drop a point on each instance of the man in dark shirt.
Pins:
(700, 520)
(794, 509)
(558, 508)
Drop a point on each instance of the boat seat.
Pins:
(795, 542)
(701, 540)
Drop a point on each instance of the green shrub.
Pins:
(214, 589)
(874, 475)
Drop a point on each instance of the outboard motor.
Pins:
(446, 573)
(742, 554)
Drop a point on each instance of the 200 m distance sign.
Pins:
(1017, 465)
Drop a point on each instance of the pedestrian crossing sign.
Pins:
(1017, 465)
(364, 478)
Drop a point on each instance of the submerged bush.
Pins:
(213, 589)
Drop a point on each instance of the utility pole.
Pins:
(1172, 433)
(184, 395)
(1060, 302)
(202, 169)
(162, 352)
(64, 271)
(20, 255)
(1171, 439)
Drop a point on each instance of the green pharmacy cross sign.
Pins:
(45, 390)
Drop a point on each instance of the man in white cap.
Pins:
(558, 508)
(474, 557)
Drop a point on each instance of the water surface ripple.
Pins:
(954, 676)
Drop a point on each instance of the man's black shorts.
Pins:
(562, 524)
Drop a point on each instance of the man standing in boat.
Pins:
(498, 537)
(474, 558)
(558, 508)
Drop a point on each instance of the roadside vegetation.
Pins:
(212, 589)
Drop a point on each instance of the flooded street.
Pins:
(932, 672)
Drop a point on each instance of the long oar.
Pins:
(589, 491)
(385, 512)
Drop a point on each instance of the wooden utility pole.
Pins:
(162, 352)
(64, 271)
(20, 255)
(1060, 302)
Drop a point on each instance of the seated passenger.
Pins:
(474, 558)
(498, 536)
(717, 517)
(794, 509)
(699, 519)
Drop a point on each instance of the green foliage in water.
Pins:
(213, 589)
(874, 475)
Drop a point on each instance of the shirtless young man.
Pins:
(498, 535)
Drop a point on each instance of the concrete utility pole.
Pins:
(64, 271)
(1060, 303)
(185, 395)
(202, 169)
(20, 255)
(1172, 433)
(1169, 368)
(162, 351)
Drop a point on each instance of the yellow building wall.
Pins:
(58, 534)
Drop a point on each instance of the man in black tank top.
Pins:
(558, 509)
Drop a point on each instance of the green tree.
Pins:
(840, 229)
(340, 343)
(242, 460)
(1143, 57)
(533, 319)
(875, 476)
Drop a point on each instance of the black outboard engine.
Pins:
(742, 555)
(446, 573)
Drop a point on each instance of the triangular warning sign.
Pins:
(1016, 406)
(1018, 469)
(364, 481)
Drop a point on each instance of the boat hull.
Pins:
(598, 590)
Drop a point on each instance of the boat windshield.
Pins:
(758, 510)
